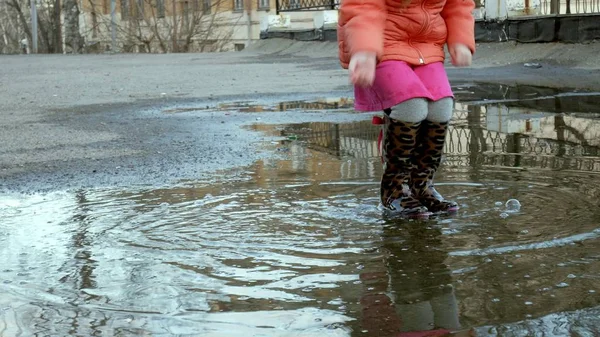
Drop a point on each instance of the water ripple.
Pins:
(298, 248)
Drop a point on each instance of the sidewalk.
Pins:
(562, 65)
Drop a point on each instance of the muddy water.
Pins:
(296, 246)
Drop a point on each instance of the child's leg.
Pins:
(402, 123)
(440, 111)
(432, 136)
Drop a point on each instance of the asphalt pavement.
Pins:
(82, 121)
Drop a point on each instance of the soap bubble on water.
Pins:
(512, 205)
(504, 215)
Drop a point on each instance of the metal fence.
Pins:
(305, 5)
(466, 146)
(550, 7)
(543, 7)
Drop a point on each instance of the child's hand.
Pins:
(362, 68)
(461, 55)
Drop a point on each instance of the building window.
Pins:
(185, 6)
(124, 10)
(206, 5)
(160, 8)
(239, 46)
(238, 5)
(264, 4)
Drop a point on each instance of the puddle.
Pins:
(297, 247)
(346, 104)
(539, 98)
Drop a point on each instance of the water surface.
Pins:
(295, 246)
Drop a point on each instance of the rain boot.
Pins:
(398, 145)
(428, 156)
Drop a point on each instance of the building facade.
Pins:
(162, 26)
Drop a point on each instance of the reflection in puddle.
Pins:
(250, 106)
(297, 247)
(539, 98)
(531, 97)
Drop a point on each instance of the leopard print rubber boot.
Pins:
(428, 157)
(399, 141)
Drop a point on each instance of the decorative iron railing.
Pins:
(305, 5)
(544, 7)
(549, 7)
(466, 146)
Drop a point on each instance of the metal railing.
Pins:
(545, 7)
(470, 145)
(305, 5)
(550, 7)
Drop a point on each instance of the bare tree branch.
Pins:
(192, 25)
(17, 7)
(144, 26)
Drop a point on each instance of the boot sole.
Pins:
(421, 215)
(407, 215)
(449, 211)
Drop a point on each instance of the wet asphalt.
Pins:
(71, 122)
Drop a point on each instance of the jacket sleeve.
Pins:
(460, 22)
(363, 22)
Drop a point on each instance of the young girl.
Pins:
(394, 51)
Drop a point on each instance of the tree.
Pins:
(15, 24)
(73, 39)
(143, 25)
(150, 26)
(11, 32)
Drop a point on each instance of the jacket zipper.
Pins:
(421, 58)
(424, 29)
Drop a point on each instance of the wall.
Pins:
(523, 7)
(227, 21)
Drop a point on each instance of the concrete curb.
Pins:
(565, 28)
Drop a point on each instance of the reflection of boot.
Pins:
(419, 280)
(399, 141)
(428, 157)
(445, 308)
(418, 316)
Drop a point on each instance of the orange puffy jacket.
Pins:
(414, 32)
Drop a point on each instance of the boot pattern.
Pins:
(398, 149)
(428, 156)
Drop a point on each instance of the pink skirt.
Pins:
(397, 81)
